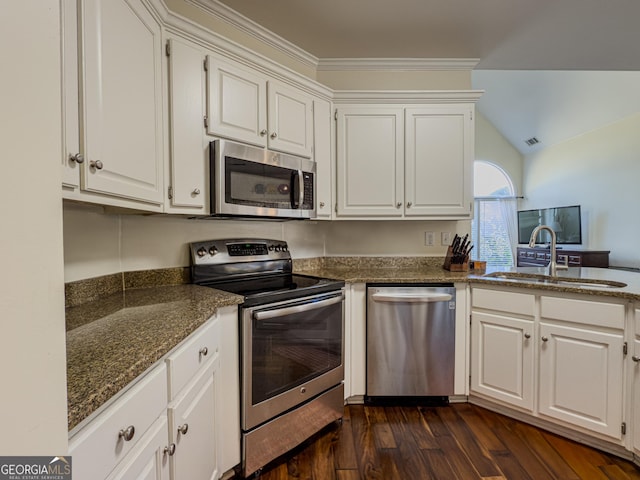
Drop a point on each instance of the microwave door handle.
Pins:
(297, 189)
(305, 307)
(301, 188)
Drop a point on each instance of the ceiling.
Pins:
(551, 69)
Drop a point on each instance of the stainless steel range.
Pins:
(291, 343)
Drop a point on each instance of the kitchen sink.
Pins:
(567, 281)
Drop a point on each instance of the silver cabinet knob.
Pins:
(303, 390)
(127, 433)
(321, 204)
(409, 204)
(196, 191)
(170, 450)
(203, 351)
(97, 164)
(398, 205)
(76, 157)
(636, 358)
(545, 339)
(274, 135)
(183, 429)
(263, 133)
(527, 336)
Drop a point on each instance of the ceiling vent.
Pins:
(532, 141)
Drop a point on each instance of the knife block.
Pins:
(454, 267)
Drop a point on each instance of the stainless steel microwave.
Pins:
(256, 182)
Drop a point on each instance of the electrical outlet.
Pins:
(429, 239)
(445, 238)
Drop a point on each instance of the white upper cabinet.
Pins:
(236, 103)
(405, 161)
(246, 106)
(121, 112)
(370, 161)
(439, 160)
(188, 152)
(322, 154)
(290, 122)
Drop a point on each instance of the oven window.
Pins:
(257, 184)
(290, 350)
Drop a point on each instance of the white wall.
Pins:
(33, 407)
(492, 147)
(599, 171)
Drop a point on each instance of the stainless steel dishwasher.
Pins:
(410, 340)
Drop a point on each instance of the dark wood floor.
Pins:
(455, 442)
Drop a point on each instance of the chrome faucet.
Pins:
(553, 266)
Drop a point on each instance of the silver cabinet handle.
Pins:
(409, 204)
(183, 429)
(127, 433)
(527, 336)
(274, 135)
(545, 339)
(636, 358)
(263, 133)
(171, 450)
(398, 205)
(203, 351)
(321, 204)
(76, 157)
(97, 164)
(196, 191)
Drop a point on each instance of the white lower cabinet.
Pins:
(560, 359)
(502, 348)
(635, 365)
(502, 362)
(193, 429)
(581, 363)
(178, 421)
(149, 459)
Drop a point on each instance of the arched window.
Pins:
(493, 228)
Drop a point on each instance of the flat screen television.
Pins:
(565, 221)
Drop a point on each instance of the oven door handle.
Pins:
(305, 307)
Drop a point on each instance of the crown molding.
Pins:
(396, 64)
(248, 26)
(410, 96)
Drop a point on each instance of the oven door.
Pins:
(257, 182)
(292, 351)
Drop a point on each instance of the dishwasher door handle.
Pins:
(411, 297)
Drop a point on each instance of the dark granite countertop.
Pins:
(111, 341)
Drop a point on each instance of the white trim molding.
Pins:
(396, 64)
(406, 96)
(248, 26)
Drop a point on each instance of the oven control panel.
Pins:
(237, 250)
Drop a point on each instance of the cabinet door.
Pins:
(236, 103)
(370, 161)
(149, 460)
(439, 161)
(290, 120)
(187, 147)
(323, 158)
(70, 97)
(635, 365)
(192, 426)
(122, 81)
(502, 358)
(581, 377)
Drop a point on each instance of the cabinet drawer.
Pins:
(200, 347)
(521, 303)
(599, 314)
(97, 448)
